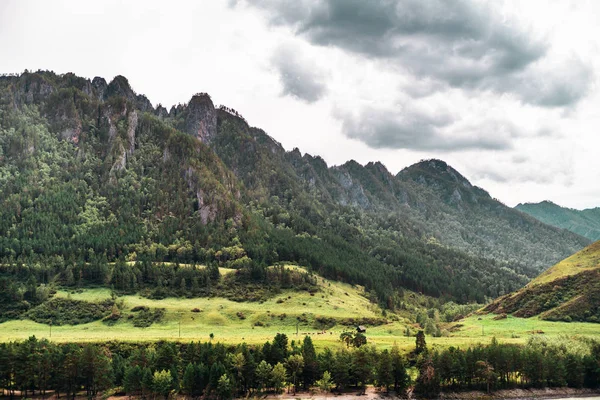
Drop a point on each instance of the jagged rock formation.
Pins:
(201, 118)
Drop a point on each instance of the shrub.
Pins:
(69, 312)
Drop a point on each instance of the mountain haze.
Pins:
(92, 173)
(583, 222)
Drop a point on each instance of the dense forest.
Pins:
(95, 181)
(214, 370)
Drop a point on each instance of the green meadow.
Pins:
(288, 312)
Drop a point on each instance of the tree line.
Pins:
(219, 371)
(538, 364)
(212, 370)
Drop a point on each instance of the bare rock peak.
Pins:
(201, 118)
(119, 86)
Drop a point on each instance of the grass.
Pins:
(586, 259)
(257, 322)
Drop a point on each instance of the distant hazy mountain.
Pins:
(583, 222)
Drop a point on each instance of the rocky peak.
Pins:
(161, 112)
(143, 104)
(119, 86)
(201, 118)
(440, 176)
(434, 171)
(99, 84)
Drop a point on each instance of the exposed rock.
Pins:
(208, 212)
(143, 104)
(32, 88)
(99, 84)
(201, 118)
(355, 193)
(161, 112)
(119, 86)
(132, 123)
(176, 110)
(70, 79)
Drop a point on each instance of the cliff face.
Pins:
(201, 118)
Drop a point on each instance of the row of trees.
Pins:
(219, 371)
(195, 369)
(538, 364)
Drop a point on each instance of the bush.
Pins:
(146, 318)
(69, 312)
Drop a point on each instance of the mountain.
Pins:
(583, 222)
(92, 174)
(569, 291)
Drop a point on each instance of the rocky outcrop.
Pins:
(355, 194)
(119, 86)
(99, 84)
(31, 88)
(121, 135)
(143, 104)
(161, 112)
(201, 118)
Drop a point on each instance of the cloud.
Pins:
(299, 75)
(556, 84)
(460, 43)
(550, 166)
(418, 129)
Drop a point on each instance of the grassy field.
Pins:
(232, 322)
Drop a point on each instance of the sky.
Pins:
(506, 92)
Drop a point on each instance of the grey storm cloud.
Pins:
(410, 129)
(462, 43)
(300, 78)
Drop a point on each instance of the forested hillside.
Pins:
(92, 175)
(583, 222)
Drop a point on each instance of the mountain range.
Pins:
(583, 222)
(91, 170)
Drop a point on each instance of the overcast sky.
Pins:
(504, 91)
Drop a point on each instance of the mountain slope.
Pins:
(465, 216)
(583, 222)
(91, 173)
(569, 291)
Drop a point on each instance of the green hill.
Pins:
(583, 222)
(569, 291)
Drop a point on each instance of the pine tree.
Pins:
(420, 345)
(263, 375)
(224, 388)
(311, 366)
(385, 376)
(401, 378)
(278, 377)
(325, 383)
(132, 380)
(162, 383)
